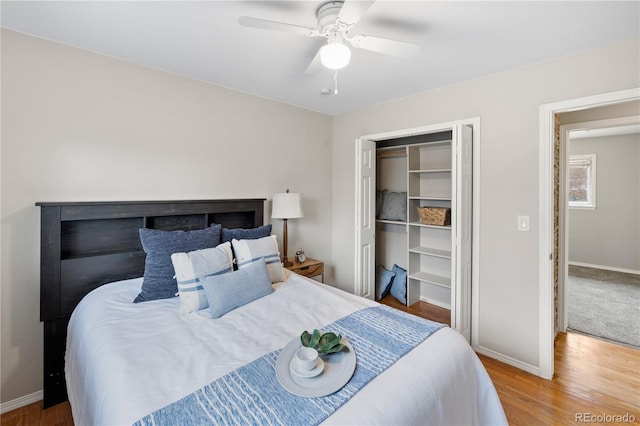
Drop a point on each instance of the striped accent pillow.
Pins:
(191, 268)
(250, 251)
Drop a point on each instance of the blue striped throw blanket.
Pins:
(252, 395)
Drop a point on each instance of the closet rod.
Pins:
(395, 153)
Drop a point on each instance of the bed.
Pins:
(127, 361)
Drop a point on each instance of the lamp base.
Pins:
(285, 238)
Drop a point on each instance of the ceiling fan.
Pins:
(335, 21)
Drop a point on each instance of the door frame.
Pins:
(474, 122)
(546, 210)
(564, 225)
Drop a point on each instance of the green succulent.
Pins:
(324, 343)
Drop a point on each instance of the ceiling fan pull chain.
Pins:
(335, 81)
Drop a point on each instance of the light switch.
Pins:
(523, 223)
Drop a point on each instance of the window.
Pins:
(582, 181)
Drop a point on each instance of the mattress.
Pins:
(125, 360)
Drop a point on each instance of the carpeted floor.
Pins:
(604, 304)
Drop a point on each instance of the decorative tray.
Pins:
(338, 369)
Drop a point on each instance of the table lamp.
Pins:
(286, 205)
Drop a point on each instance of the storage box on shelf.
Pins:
(440, 216)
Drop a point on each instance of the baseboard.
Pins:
(508, 360)
(5, 407)
(606, 268)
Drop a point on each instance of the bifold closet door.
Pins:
(461, 297)
(365, 283)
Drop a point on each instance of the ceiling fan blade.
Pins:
(263, 24)
(353, 10)
(387, 46)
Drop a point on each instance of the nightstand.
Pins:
(309, 268)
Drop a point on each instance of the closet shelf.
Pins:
(445, 254)
(391, 153)
(391, 222)
(430, 197)
(434, 143)
(431, 279)
(429, 226)
(431, 171)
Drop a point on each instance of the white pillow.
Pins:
(250, 251)
(191, 268)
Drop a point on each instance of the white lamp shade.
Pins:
(335, 55)
(287, 205)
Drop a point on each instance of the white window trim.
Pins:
(591, 204)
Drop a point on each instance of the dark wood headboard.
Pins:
(87, 244)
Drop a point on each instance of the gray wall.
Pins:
(508, 105)
(77, 126)
(609, 235)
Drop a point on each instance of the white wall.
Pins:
(609, 235)
(77, 126)
(508, 106)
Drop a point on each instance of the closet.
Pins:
(397, 174)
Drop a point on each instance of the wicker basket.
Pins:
(435, 215)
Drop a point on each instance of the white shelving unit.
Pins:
(424, 172)
(430, 184)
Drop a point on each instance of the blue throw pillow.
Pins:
(399, 285)
(394, 206)
(384, 278)
(229, 291)
(159, 281)
(379, 200)
(245, 234)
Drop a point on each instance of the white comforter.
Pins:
(126, 360)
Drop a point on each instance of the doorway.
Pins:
(425, 185)
(548, 254)
(599, 228)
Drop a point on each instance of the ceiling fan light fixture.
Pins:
(335, 55)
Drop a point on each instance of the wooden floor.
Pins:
(34, 415)
(593, 378)
(421, 309)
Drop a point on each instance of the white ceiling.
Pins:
(203, 40)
